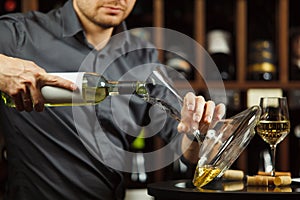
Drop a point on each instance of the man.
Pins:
(47, 157)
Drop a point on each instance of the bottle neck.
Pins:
(127, 87)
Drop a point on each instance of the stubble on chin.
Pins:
(108, 23)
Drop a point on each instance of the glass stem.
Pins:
(273, 155)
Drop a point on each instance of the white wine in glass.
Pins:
(274, 123)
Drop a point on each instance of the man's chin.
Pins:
(110, 23)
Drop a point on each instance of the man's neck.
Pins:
(96, 35)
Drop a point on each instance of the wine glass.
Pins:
(274, 124)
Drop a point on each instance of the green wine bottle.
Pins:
(92, 89)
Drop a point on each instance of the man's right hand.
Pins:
(23, 80)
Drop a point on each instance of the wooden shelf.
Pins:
(198, 85)
(241, 83)
(282, 17)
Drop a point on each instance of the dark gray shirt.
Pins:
(51, 155)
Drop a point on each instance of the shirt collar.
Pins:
(71, 24)
(124, 38)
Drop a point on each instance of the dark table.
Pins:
(221, 190)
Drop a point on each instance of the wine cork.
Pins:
(276, 173)
(257, 180)
(269, 178)
(234, 175)
(233, 186)
(282, 180)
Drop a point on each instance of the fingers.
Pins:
(43, 79)
(48, 79)
(18, 101)
(199, 108)
(26, 99)
(209, 111)
(23, 100)
(198, 113)
(220, 111)
(201, 112)
(23, 79)
(38, 100)
(32, 97)
(187, 111)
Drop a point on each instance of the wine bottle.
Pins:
(295, 55)
(219, 48)
(220, 26)
(262, 61)
(179, 63)
(92, 89)
(261, 37)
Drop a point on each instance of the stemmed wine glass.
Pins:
(274, 124)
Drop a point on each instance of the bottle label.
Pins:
(56, 95)
(261, 51)
(218, 41)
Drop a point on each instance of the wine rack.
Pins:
(282, 17)
(192, 18)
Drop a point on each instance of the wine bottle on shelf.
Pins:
(177, 62)
(219, 37)
(262, 61)
(92, 89)
(219, 48)
(295, 55)
(261, 37)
